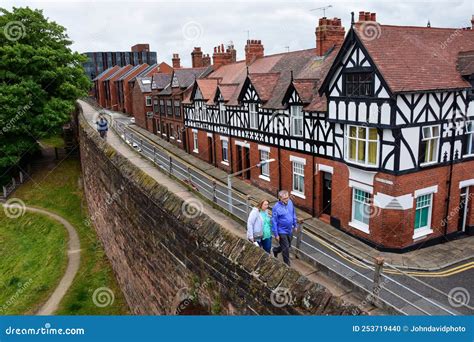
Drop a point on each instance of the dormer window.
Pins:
(253, 115)
(296, 118)
(359, 84)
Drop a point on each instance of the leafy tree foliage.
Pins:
(40, 79)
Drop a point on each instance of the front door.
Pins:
(327, 193)
(239, 158)
(463, 209)
(247, 162)
(211, 150)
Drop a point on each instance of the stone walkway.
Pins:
(74, 259)
(431, 258)
(225, 221)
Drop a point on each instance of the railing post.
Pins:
(299, 236)
(21, 177)
(13, 183)
(141, 144)
(154, 155)
(214, 196)
(247, 205)
(379, 261)
(171, 165)
(189, 175)
(5, 192)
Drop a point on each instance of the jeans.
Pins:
(284, 248)
(266, 244)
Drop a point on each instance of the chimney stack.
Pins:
(329, 32)
(367, 16)
(196, 57)
(253, 50)
(223, 56)
(206, 60)
(176, 61)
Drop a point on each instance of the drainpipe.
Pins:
(450, 175)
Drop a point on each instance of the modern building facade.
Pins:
(100, 61)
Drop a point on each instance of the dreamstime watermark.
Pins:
(192, 298)
(16, 295)
(14, 208)
(109, 200)
(458, 296)
(192, 30)
(103, 297)
(192, 208)
(14, 30)
(281, 297)
(371, 298)
(22, 110)
(457, 33)
(455, 212)
(370, 30)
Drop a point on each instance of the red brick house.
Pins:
(168, 107)
(362, 137)
(110, 89)
(99, 88)
(142, 107)
(123, 87)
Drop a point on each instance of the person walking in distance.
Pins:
(102, 127)
(284, 223)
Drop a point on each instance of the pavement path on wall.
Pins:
(400, 291)
(74, 259)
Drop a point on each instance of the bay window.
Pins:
(362, 145)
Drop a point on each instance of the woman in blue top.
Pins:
(259, 226)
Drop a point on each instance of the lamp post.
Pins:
(229, 181)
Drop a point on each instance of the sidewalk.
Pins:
(426, 259)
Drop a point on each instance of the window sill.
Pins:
(265, 178)
(360, 226)
(469, 155)
(360, 164)
(298, 194)
(422, 232)
(172, 137)
(196, 151)
(225, 163)
(428, 164)
(178, 140)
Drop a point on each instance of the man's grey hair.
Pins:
(282, 193)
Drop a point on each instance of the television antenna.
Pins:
(324, 8)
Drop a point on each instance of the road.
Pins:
(446, 292)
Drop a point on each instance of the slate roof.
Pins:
(129, 72)
(418, 58)
(160, 81)
(119, 72)
(465, 62)
(186, 78)
(144, 83)
(105, 72)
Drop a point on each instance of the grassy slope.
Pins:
(58, 191)
(32, 261)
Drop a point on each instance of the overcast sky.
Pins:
(177, 26)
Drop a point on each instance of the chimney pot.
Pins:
(373, 16)
(361, 16)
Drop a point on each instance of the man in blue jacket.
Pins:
(284, 223)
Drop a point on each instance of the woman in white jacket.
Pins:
(259, 227)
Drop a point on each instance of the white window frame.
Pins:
(225, 147)
(428, 139)
(148, 101)
(296, 120)
(470, 138)
(297, 168)
(360, 225)
(367, 141)
(195, 142)
(149, 115)
(253, 115)
(265, 168)
(426, 230)
(222, 114)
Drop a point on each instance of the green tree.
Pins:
(40, 79)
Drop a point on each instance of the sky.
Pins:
(178, 26)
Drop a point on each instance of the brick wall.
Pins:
(161, 256)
